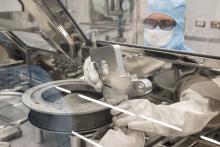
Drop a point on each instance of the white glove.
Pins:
(117, 138)
(138, 107)
(92, 76)
(191, 115)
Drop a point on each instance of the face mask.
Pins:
(157, 37)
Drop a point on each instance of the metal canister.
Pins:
(141, 86)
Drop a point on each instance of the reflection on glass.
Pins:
(34, 40)
(124, 21)
(185, 93)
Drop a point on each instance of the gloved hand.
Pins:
(191, 115)
(117, 138)
(92, 76)
(138, 106)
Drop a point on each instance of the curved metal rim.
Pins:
(68, 123)
(5, 95)
(33, 100)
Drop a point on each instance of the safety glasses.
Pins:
(163, 24)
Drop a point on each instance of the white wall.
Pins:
(205, 10)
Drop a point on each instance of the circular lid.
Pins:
(63, 98)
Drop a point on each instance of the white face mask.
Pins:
(157, 37)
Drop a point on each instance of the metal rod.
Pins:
(75, 141)
(38, 135)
